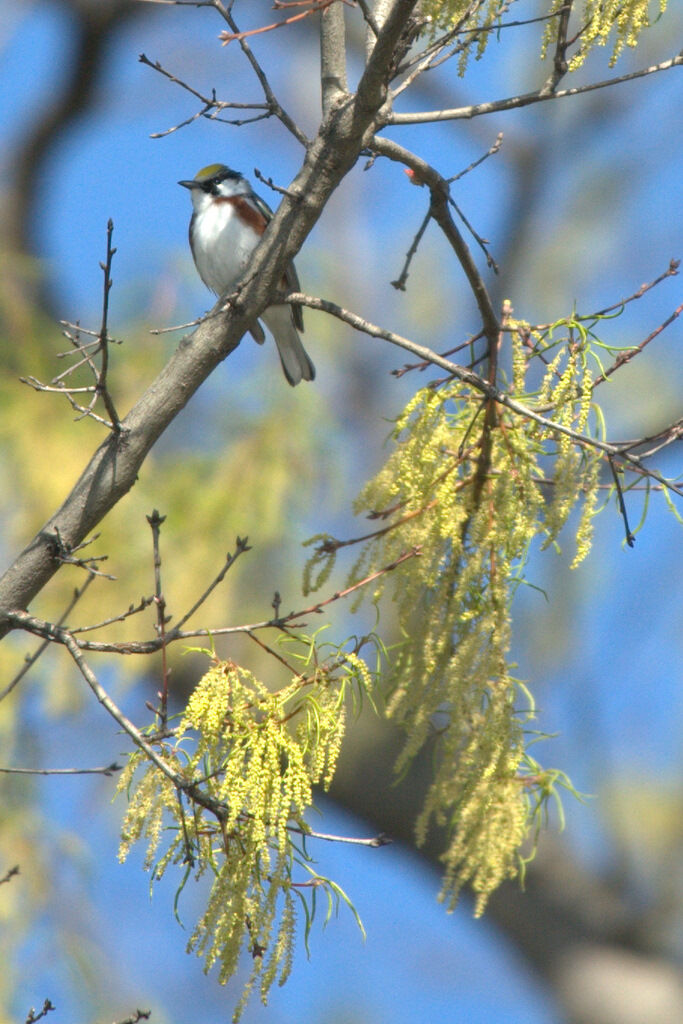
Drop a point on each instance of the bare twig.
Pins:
(241, 545)
(480, 160)
(33, 658)
(276, 188)
(630, 539)
(65, 554)
(432, 56)
(81, 330)
(138, 1016)
(400, 282)
(525, 99)
(312, 7)
(416, 180)
(438, 188)
(57, 634)
(315, 609)
(71, 644)
(671, 271)
(176, 327)
(630, 353)
(655, 442)
(101, 385)
(83, 411)
(374, 841)
(10, 874)
(107, 770)
(133, 609)
(33, 1016)
(271, 100)
(276, 654)
(331, 544)
(155, 521)
(209, 103)
(481, 242)
(100, 344)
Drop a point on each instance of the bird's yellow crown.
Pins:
(209, 171)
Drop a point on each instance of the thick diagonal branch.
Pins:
(114, 467)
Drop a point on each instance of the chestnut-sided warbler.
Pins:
(227, 222)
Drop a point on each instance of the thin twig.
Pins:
(400, 282)
(101, 385)
(440, 212)
(100, 344)
(275, 654)
(674, 432)
(107, 770)
(276, 188)
(331, 544)
(139, 1014)
(475, 163)
(133, 609)
(241, 545)
(71, 644)
(481, 242)
(628, 354)
(671, 271)
(630, 539)
(432, 56)
(30, 660)
(22, 620)
(524, 99)
(314, 7)
(32, 1016)
(271, 100)
(65, 554)
(382, 839)
(209, 103)
(155, 521)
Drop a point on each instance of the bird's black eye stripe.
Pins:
(211, 185)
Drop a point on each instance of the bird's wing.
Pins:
(291, 280)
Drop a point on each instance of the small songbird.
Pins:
(227, 222)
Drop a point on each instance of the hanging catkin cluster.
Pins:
(472, 493)
(473, 23)
(253, 756)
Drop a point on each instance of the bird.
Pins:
(228, 219)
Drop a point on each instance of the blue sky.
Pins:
(613, 698)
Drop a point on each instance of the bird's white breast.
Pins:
(221, 244)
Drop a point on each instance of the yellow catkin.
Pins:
(257, 755)
(473, 522)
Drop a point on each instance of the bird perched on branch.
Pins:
(227, 222)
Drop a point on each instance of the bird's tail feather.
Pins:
(295, 361)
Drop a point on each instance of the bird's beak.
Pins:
(189, 184)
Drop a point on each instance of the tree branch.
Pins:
(473, 379)
(332, 56)
(438, 187)
(525, 99)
